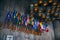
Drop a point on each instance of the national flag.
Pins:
(8, 17)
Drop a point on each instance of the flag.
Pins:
(32, 22)
(41, 25)
(25, 24)
(14, 14)
(8, 17)
(46, 30)
(34, 27)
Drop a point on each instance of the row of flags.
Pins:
(18, 19)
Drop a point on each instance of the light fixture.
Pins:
(58, 5)
(54, 3)
(50, 1)
(40, 11)
(35, 9)
(40, 1)
(45, 4)
(56, 14)
(40, 14)
(35, 4)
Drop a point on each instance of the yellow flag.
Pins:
(41, 24)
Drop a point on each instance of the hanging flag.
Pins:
(42, 27)
(8, 17)
(41, 24)
(14, 14)
(34, 27)
(26, 24)
(35, 24)
(18, 16)
(27, 20)
(39, 27)
(23, 19)
(15, 20)
(47, 30)
(32, 22)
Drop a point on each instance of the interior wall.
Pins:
(57, 29)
